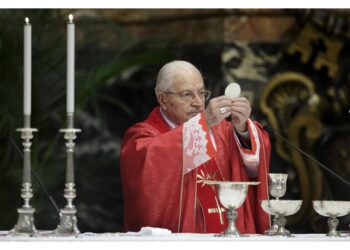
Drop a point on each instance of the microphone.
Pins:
(272, 132)
(36, 177)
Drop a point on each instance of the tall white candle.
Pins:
(27, 74)
(70, 64)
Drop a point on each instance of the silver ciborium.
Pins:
(280, 209)
(332, 209)
(277, 188)
(231, 195)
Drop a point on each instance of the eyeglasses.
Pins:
(189, 96)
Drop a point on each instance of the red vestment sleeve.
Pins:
(256, 220)
(152, 179)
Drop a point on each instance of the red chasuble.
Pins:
(158, 192)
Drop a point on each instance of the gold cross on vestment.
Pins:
(219, 210)
(205, 177)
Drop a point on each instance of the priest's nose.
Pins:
(197, 101)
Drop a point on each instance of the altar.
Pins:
(46, 236)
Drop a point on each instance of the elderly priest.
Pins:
(181, 143)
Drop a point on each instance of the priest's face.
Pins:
(185, 99)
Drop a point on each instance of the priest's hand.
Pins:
(218, 109)
(221, 107)
(240, 112)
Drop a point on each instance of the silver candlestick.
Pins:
(25, 221)
(68, 220)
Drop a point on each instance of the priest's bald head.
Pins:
(180, 91)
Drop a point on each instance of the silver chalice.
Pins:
(277, 188)
(231, 195)
(332, 209)
(278, 185)
(280, 209)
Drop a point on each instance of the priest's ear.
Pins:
(162, 100)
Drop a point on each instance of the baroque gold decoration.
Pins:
(328, 49)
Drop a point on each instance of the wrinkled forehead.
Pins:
(188, 80)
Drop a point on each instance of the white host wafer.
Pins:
(233, 90)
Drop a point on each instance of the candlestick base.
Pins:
(68, 220)
(25, 222)
(68, 223)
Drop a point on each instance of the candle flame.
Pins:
(70, 17)
(26, 20)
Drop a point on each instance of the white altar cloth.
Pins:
(174, 237)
